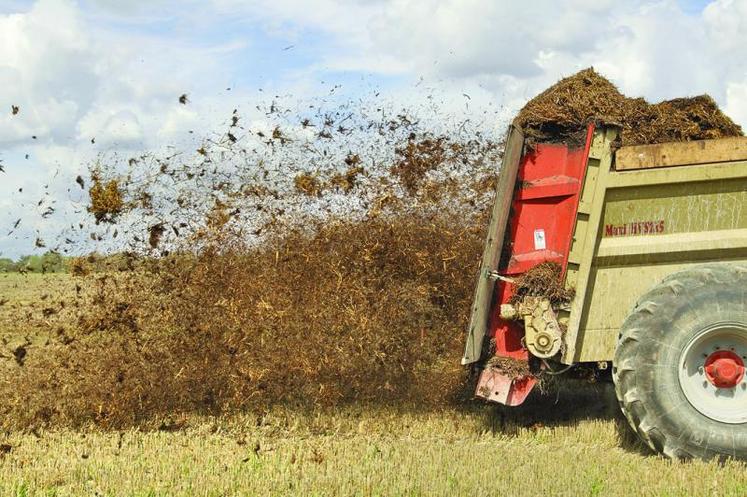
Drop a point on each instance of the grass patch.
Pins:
(355, 451)
(571, 441)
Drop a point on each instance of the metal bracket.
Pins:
(542, 333)
(494, 275)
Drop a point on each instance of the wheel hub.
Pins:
(724, 369)
(712, 372)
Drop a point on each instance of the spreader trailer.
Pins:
(653, 240)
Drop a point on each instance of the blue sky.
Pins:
(113, 70)
(693, 6)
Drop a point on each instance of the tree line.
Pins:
(49, 262)
(54, 262)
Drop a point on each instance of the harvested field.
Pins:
(279, 304)
(366, 450)
(415, 449)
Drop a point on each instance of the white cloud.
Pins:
(74, 79)
(736, 101)
(114, 70)
(43, 71)
(726, 22)
(648, 47)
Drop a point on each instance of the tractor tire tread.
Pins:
(634, 334)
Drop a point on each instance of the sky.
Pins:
(97, 76)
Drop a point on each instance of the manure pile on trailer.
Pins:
(562, 111)
(324, 258)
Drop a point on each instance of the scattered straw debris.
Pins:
(346, 181)
(313, 269)
(357, 312)
(154, 234)
(417, 158)
(106, 200)
(308, 184)
(513, 368)
(543, 280)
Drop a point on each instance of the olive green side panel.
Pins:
(636, 227)
(493, 245)
(652, 223)
(614, 292)
(586, 234)
(681, 174)
(676, 208)
(677, 246)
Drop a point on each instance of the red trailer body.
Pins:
(540, 229)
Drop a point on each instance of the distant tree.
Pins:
(6, 265)
(30, 263)
(49, 262)
(52, 262)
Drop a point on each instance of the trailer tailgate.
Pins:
(493, 245)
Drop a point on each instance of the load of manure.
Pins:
(562, 112)
(543, 280)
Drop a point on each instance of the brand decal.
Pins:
(635, 228)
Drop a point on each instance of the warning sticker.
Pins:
(539, 240)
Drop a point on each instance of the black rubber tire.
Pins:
(653, 336)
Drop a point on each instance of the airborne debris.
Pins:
(369, 296)
(154, 234)
(106, 200)
(417, 159)
(348, 245)
(19, 354)
(308, 184)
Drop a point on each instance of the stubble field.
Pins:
(570, 441)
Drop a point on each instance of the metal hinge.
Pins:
(494, 275)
